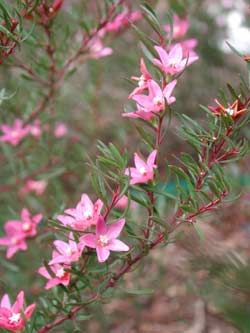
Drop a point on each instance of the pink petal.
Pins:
(102, 253)
(162, 54)
(5, 241)
(25, 214)
(61, 246)
(98, 206)
(144, 70)
(5, 312)
(139, 163)
(13, 227)
(65, 220)
(139, 114)
(171, 100)
(142, 100)
(105, 52)
(5, 128)
(43, 271)
(11, 251)
(29, 310)
(23, 245)
(154, 88)
(117, 245)
(192, 59)
(190, 43)
(169, 89)
(5, 302)
(151, 159)
(115, 229)
(86, 202)
(138, 180)
(89, 240)
(176, 53)
(18, 305)
(60, 259)
(52, 283)
(101, 226)
(37, 218)
(157, 63)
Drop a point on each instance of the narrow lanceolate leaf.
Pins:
(146, 136)
(151, 18)
(232, 91)
(148, 42)
(9, 34)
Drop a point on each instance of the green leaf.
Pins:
(9, 34)
(146, 137)
(151, 18)
(83, 317)
(148, 42)
(232, 91)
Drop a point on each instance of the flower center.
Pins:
(173, 62)
(96, 47)
(14, 318)
(229, 111)
(60, 273)
(88, 215)
(141, 81)
(103, 240)
(68, 251)
(176, 29)
(158, 101)
(26, 226)
(14, 134)
(143, 171)
(14, 241)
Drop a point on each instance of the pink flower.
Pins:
(60, 275)
(180, 27)
(36, 186)
(173, 62)
(122, 20)
(13, 317)
(135, 16)
(143, 171)
(27, 223)
(14, 134)
(17, 230)
(60, 130)
(142, 80)
(66, 252)
(122, 203)
(84, 215)
(105, 239)
(188, 47)
(35, 129)
(14, 239)
(97, 50)
(139, 113)
(155, 101)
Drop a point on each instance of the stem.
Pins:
(110, 284)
